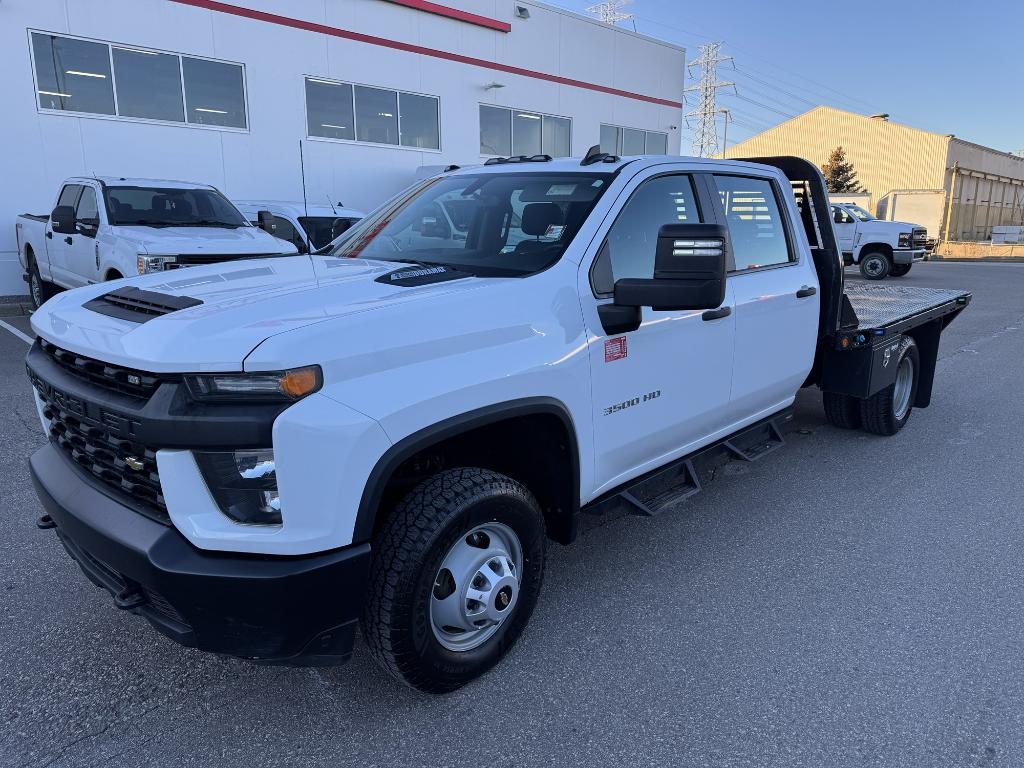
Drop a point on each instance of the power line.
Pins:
(705, 137)
(770, 108)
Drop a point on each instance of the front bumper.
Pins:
(908, 255)
(285, 610)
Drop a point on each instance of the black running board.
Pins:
(667, 488)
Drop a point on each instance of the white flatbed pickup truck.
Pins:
(106, 228)
(259, 457)
(879, 248)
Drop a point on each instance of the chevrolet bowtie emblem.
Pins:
(134, 463)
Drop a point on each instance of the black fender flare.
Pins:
(376, 483)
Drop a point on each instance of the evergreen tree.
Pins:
(839, 173)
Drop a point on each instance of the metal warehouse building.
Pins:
(940, 181)
(345, 99)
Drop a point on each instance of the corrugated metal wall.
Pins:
(890, 157)
(886, 155)
(989, 191)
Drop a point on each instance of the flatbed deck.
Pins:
(895, 308)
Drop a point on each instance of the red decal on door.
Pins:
(615, 349)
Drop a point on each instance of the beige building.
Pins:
(912, 175)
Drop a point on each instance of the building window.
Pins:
(336, 110)
(88, 77)
(73, 75)
(617, 140)
(214, 92)
(505, 131)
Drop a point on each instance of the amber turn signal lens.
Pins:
(301, 381)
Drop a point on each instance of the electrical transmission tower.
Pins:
(705, 135)
(610, 11)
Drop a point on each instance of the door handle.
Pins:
(49, 235)
(68, 240)
(716, 314)
(807, 290)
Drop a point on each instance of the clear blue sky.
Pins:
(949, 66)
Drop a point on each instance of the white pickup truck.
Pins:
(106, 228)
(258, 457)
(880, 248)
(308, 227)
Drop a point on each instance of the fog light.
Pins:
(243, 483)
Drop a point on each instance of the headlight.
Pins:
(147, 264)
(905, 239)
(243, 483)
(270, 385)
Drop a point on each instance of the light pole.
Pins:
(725, 132)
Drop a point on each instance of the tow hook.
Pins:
(45, 523)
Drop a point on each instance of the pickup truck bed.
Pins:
(896, 308)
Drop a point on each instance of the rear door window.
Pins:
(69, 195)
(756, 228)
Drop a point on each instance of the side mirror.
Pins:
(689, 270)
(265, 221)
(62, 220)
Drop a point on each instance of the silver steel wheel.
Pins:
(35, 288)
(874, 266)
(903, 387)
(476, 587)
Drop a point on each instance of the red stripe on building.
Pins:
(452, 13)
(359, 37)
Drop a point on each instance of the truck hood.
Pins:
(243, 304)
(171, 241)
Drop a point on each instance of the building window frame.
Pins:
(113, 84)
(355, 119)
(512, 126)
(647, 136)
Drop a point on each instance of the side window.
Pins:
(285, 230)
(628, 250)
(87, 211)
(755, 223)
(69, 195)
(840, 216)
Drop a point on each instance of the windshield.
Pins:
(859, 212)
(171, 207)
(504, 224)
(322, 229)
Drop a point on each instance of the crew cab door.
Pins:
(663, 388)
(81, 253)
(846, 228)
(775, 289)
(59, 244)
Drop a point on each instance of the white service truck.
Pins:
(259, 457)
(308, 227)
(105, 228)
(880, 248)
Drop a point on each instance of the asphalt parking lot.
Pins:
(850, 600)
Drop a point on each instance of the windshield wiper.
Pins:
(208, 223)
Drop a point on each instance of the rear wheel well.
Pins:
(30, 255)
(536, 449)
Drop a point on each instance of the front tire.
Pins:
(875, 265)
(457, 569)
(887, 412)
(899, 270)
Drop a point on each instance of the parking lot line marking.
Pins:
(27, 339)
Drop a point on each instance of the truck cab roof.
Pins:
(295, 209)
(128, 181)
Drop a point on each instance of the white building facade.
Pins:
(322, 99)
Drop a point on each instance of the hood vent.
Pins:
(421, 274)
(137, 305)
